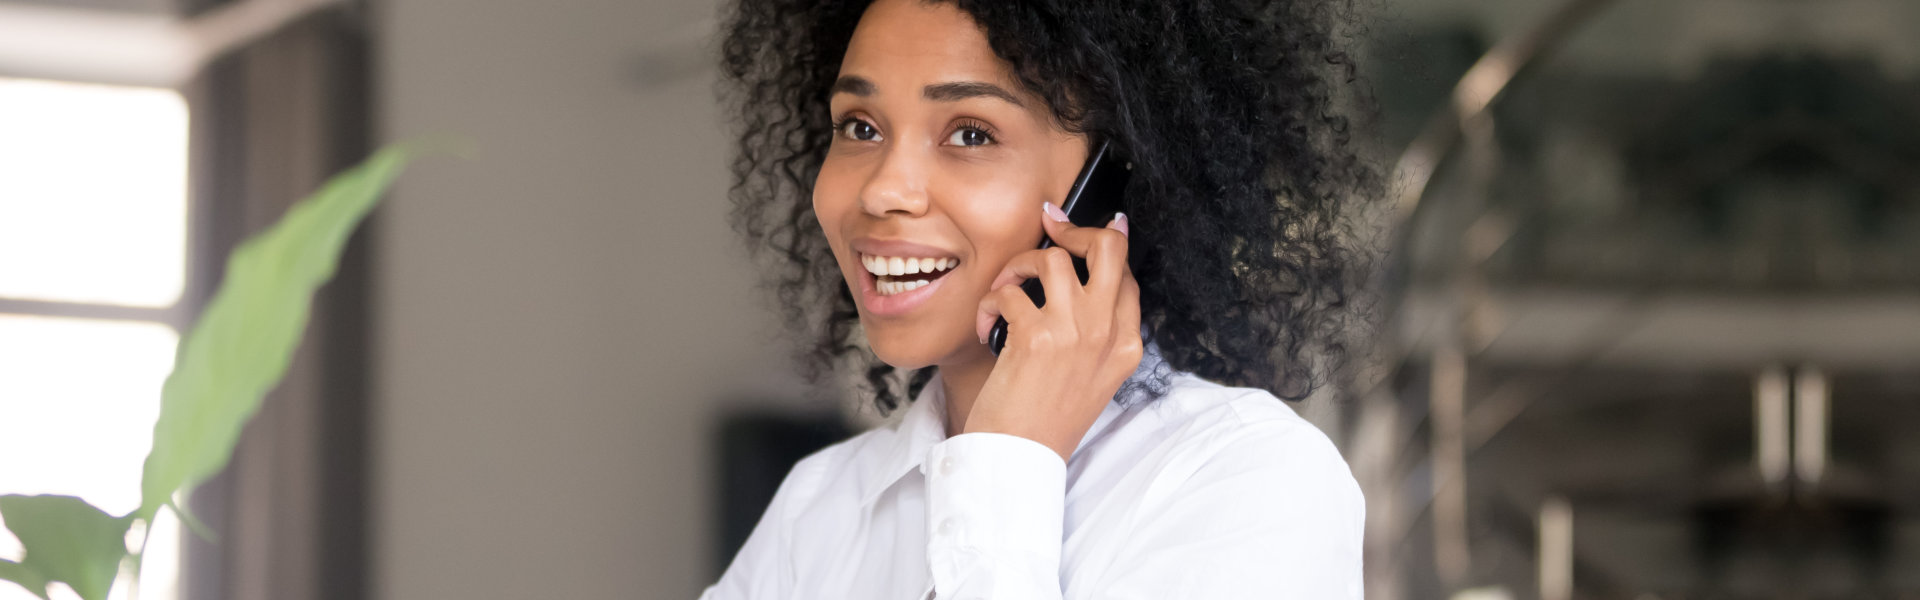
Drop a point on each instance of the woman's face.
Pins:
(938, 168)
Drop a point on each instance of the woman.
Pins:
(898, 165)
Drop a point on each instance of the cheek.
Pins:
(835, 195)
(999, 220)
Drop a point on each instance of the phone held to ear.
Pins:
(1095, 197)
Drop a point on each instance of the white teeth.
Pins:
(885, 266)
(899, 287)
(890, 287)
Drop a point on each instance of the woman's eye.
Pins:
(969, 136)
(856, 129)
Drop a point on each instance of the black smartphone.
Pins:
(1096, 195)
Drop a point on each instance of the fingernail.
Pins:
(1119, 223)
(1053, 212)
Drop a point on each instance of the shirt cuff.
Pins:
(995, 502)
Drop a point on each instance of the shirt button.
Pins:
(949, 526)
(946, 466)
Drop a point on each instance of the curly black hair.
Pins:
(1245, 180)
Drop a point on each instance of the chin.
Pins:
(904, 348)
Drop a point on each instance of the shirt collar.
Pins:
(923, 426)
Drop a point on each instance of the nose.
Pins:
(898, 186)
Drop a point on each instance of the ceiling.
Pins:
(1680, 37)
(143, 7)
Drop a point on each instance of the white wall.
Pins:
(559, 318)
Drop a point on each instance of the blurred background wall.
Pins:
(563, 316)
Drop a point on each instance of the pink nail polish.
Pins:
(1053, 212)
(1119, 223)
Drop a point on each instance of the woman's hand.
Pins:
(1062, 362)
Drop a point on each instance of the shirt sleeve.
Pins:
(995, 505)
(1274, 513)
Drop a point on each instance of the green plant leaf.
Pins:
(66, 540)
(27, 578)
(243, 342)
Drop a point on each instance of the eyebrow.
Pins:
(954, 91)
(961, 90)
(852, 84)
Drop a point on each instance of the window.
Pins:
(93, 260)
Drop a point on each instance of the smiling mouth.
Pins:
(900, 274)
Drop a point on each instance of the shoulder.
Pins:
(1244, 452)
(818, 473)
(851, 473)
(1262, 474)
(766, 565)
(1206, 431)
(1238, 420)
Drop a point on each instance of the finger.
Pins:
(1105, 248)
(1009, 302)
(1052, 266)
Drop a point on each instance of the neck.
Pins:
(961, 380)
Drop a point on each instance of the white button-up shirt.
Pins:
(1206, 492)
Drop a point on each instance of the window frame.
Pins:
(301, 462)
(198, 264)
